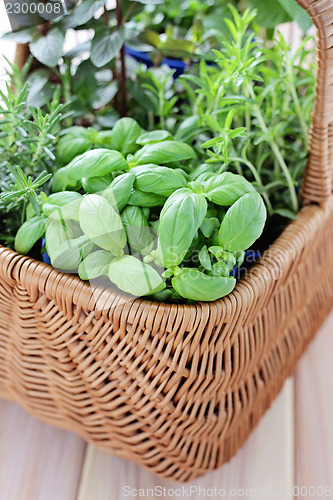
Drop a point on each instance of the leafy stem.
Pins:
(275, 149)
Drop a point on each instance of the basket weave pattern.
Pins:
(177, 388)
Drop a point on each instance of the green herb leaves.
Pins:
(159, 180)
(180, 218)
(195, 285)
(29, 233)
(135, 277)
(47, 48)
(101, 224)
(106, 45)
(243, 223)
(226, 188)
(76, 141)
(146, 227)
(164, 152)
(95, 163)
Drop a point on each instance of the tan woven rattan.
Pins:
(177, 388)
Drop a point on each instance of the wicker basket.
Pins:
(176, 388)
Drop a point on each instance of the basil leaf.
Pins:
(159, 180)
(297, 13)
(124, 136)
(226, 188)
(61, 180)
(63, 198)
(139, 235)
(63, 205)
(285, 212)
(192, 284)
(122, 188)
(153, 136)
(71, 253)
(221, 269)
(56, 233)
(243, 223)
(30, 211)
(29, 233)
(269, 14)
(95, 163)
(95, 264)
(77, 141)
(180, 218)
(85, 10)
(69, 211)
(202, 169)
(204, 177)
(47, 48)
(146, 200)
(101, 224)
(93, 185)
(204, 258)
(240, 256)
(135, 277)
(164, 152)
(208, 226)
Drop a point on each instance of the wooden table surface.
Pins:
(289, 455)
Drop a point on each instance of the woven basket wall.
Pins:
(176, 388)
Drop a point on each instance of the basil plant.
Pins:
(131, 206)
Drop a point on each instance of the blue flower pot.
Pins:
(143, 57)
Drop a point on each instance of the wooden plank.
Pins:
(314, 409)
(264, 467)
(37, 461)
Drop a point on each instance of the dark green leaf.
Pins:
(204, 258)
(29, 233)
(101, 224)
(71, 253)
(159, 180)
(95, 264)
(95, 163)
(121, 188)
(153, 136)
(124, 136)
(269, 14)
(47, 48)
(96, 184)
(146, 200)
(220, 269)
(135, 277)
(104, 95)
(226, 188)
(150, 37)
(243, 223)
(85, 10)
(208, 226)
(180, 218)
(297, 13)
(139, 235)
(164, 152)
(106, 45)
(285, 212)
(77, 141)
